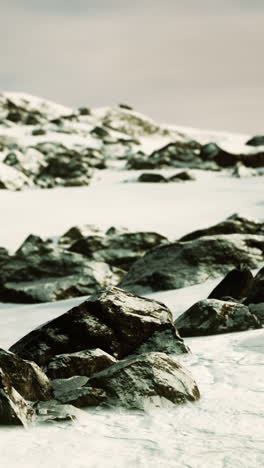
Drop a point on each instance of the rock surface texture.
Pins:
(146, 381)
(182, 264)
(113, 320)
(211, 316)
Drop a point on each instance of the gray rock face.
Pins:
(53, 411)
(86, 363)
(26, 377)
(41, 271)
(235, 224)
(14, 410)
(236, 284)
(120, 249)
(146, 381)
(112, 320)
(182, 264)
(74, 391)
(256, 294)
(211, 317)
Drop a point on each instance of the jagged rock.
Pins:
(181, 264)
(181, 176)
(14, 410)
(257, 140)
(74, 392)
(256, 294)
(112, 320)
(26, 377)
(84, 111)
(86, 363)
(41, 271)
(235, 224)
(211, 317)
(76, 233)
(152, 178)
(120, 249)
(178, 154)
(236, 284)
(53, 411)
(12, 179)
(145, 381)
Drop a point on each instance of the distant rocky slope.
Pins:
(43, 144)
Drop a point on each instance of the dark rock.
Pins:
(120, 249)
(74, 392)
(256, 294)
(258, 311)
(226, 159)
(151, 177)
(235, 224)
(84, 111)
(78, 232)
(181, 176)
(14, 410)
(236, 283)
(256, 141)
(38, 132)
(101, 132)
(182, 264)
(178, 154)
(86, 363)
(42, 272)
(125, 106)
(14, 116)
(211, 317)
(4, 256)
(31, 119)
(145, 381)
(26, 377)
(112, 320)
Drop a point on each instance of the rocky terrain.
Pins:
(43, 144)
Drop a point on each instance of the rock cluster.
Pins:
(82, 261)
(111, 350)
(45, 145)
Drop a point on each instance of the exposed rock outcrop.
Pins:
(256, 294)
(182, 264)
(112, 320)
(86, 363)
(211, 317)
(146, 381)
(237, 284)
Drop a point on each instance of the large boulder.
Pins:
(256, 294)
(14, 410)
(145, 381)
(211, 317)
(120, 249)
(41, 271)
(236, 284)
(87, 363)
(182, 264)
(226, 159)
(113, 320)
(235, 224)
(26, 377)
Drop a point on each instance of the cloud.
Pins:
(177, 64)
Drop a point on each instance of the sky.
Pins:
(189, 62)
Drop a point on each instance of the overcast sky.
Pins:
(191, 62)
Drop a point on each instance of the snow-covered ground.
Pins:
(225, 429)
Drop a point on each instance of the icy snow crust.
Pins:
(225, 429)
